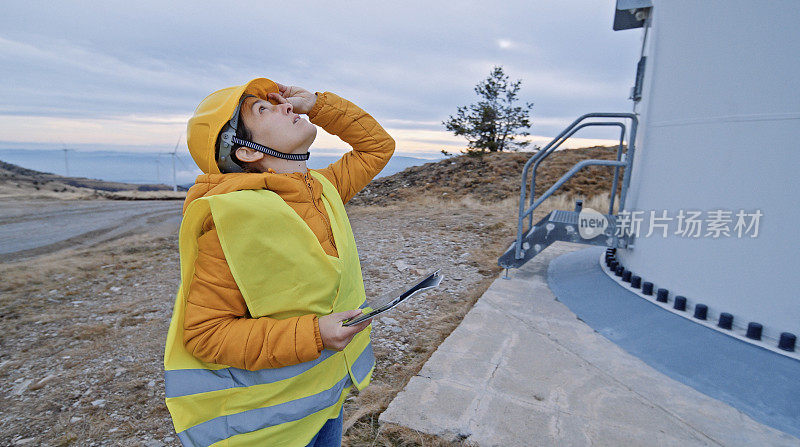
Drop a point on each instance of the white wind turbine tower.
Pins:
(174, 172)
(66, 161)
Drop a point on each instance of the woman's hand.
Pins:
(334, 335)
(302, 100)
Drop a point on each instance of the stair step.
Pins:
(566, 217)
(559, 225)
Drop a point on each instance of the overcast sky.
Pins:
(124, 75)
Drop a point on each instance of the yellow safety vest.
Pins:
(282, 271)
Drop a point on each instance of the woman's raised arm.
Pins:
(372, 145)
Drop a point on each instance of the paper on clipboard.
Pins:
(426, 282)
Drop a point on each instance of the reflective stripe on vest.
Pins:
(215, 404)
(183, 382)
(224, 427)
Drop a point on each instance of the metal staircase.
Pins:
(562, 225)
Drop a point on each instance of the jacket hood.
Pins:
(290, 186)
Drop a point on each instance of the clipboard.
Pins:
(422, 284)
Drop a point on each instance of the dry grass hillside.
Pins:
(491, 177)
(16, 181)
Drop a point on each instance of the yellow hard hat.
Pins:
(213, 113)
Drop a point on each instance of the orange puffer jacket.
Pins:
(217, 326)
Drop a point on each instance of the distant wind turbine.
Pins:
(174, 171)
(66, 161)
(174, 155)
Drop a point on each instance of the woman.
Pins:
(256, 353)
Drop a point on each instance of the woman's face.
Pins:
(277, 126)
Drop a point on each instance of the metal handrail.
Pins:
(552, 149)
(553, 145)
(578, 166)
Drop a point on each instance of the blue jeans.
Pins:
(330, 435)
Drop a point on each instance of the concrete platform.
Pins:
(522, 370)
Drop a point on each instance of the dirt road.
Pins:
(33, 227)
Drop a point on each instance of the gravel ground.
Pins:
(82, 331)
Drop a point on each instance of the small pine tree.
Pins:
(494, 122)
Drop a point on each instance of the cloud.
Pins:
(132, 72)
(83, 131)
(505, 43)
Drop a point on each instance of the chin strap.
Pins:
(270, 151)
